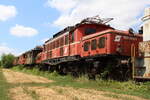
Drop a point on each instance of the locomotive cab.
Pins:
(94, 41)
(109, 41)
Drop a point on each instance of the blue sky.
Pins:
(27, 23)
(33, 14)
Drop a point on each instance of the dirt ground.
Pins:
(26, 92)
(17, 77)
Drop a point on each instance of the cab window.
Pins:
(86, 46)
(93, 44)
(89, 31)
(101, 42)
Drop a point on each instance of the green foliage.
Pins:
(0, 63)
(7, 60)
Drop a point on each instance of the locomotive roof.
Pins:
(34, 49)
(90, 20)
(60, 33)
(125, 33)
(69, 28)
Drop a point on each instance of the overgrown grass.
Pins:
(117, 96)
(31, 93)
(4, 86)
(129, 87)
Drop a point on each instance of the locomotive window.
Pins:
(62, 41)
(101, 42)
(72, 37)
(53, 45)
(47, 47)
(50, 46)
(94, 44)
(57, 43)
(50, 54)
(61, 51)
(86, 46)
(66, 39)
(44, 48)
(90, 31)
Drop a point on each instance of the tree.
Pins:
(7, 60)
(0, 63)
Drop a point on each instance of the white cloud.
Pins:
(22, 31)
(62, 5)
(4, 49)
(7, 12)
(124, 12)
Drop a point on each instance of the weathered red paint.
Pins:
(111, 43)
(116, 43)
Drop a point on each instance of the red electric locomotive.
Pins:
(90, 47)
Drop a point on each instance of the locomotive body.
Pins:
(88, 47)
(88, 40)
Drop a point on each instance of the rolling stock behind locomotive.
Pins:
(90, 47)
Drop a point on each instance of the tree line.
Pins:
(7, 60)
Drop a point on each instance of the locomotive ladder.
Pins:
(133, 59)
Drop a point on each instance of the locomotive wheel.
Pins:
(75, 74)
(112, 70)
(118, 71)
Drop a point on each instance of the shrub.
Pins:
(7, 60)
(0, 64)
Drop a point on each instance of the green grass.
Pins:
(117, 96)
(129, 87)
(31, 93)
(4, 86)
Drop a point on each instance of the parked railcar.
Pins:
(31, 55)
(21, 59)
(28, 58)
(16, 61)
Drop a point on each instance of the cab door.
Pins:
(85, 48)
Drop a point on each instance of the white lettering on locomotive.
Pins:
(117, 38)
(129, 38)
(65, 51)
